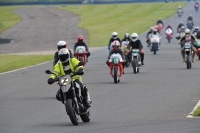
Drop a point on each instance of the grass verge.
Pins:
(8, 18)
(197, 112)
(11, 62)
(101, 20)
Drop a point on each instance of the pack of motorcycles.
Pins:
(73, 100)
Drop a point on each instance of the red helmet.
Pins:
(80, 38)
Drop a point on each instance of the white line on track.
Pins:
(192, 113)
(24, 68)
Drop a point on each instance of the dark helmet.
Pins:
(127, 36)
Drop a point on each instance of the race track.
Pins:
(157, 100)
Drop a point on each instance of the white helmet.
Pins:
(134, 37)
(61, 44)
(64, 55)
(179, 7)
(116, 43)
(187, 31)
(114, 35)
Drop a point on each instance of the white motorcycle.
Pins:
(136, 60)
(155, 41)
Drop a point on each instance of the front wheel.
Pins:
(199, 54)
(188, 62)
(134, 64)
(168, 40)
(85, 117)
(154, 49)
(70, 108)
(115, 74)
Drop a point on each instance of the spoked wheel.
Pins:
(70, 108)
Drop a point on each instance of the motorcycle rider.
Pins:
(198, 35)
(188, 37)
(155, 32)
(72, 67)
(190, 18)
(116, 49)
(181, 33)
(169, 26)
(80, 42)
(179, 26)
(180, 10)
(147, 36)
(196, 4)
(126, 37)
(196, 28)
(160, 21)
(113, 38)
(135, 43)
(60, 45)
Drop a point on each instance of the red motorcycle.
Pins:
(81, 54)
(116, 67)
(160, 26)
(169, 34)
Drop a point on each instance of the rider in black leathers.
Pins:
(136, 43)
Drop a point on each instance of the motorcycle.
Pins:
(160, 26)
(169, 34)
(190, 25)
(188, 55)
(197, 45)
(81, 54)
(136, 60)
(196, 7)
(125, 50)
(155, 40)
(72, 99)
(116, 66)
(180, 13)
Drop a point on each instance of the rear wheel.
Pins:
(115, 74)
(70, 108)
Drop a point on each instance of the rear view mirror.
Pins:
(48, 72)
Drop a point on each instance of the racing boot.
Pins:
(86, 97)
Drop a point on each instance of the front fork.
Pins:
(121, 69)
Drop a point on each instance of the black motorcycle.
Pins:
(72, 99)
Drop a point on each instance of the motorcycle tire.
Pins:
(188, 63)
(154, 50)
(134, 64)
(168, 40)
(115, 75)
(71, 112)
(85, 117)
(199, 54)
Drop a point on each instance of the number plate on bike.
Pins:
(115, 60)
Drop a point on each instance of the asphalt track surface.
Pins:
(157, 100)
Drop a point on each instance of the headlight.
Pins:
(64, 81)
